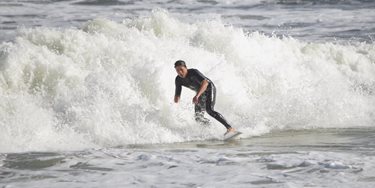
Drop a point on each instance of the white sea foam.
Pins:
(111, 83)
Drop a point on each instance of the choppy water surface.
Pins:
(318, 158)
(313, 20)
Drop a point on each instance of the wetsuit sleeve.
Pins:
(178, 87)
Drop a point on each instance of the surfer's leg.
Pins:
(199, 111)
(210, 103)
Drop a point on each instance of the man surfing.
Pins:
(205, 93)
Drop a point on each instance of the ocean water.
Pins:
(87, 89)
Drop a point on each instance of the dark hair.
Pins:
(179, 62)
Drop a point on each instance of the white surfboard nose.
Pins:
(231, 135)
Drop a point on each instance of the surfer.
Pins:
(205, 93)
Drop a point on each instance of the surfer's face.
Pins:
(181, 71)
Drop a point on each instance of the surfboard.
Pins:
(231, 135)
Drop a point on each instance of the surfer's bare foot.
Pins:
(229, 130)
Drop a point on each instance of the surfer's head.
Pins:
(181, 68)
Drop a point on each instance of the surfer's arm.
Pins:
(178, 90)
(201, 90)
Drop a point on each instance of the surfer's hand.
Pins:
(176, 99)
(195, 99)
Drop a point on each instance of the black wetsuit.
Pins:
(193, 80)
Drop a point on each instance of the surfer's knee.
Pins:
(211, 112)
